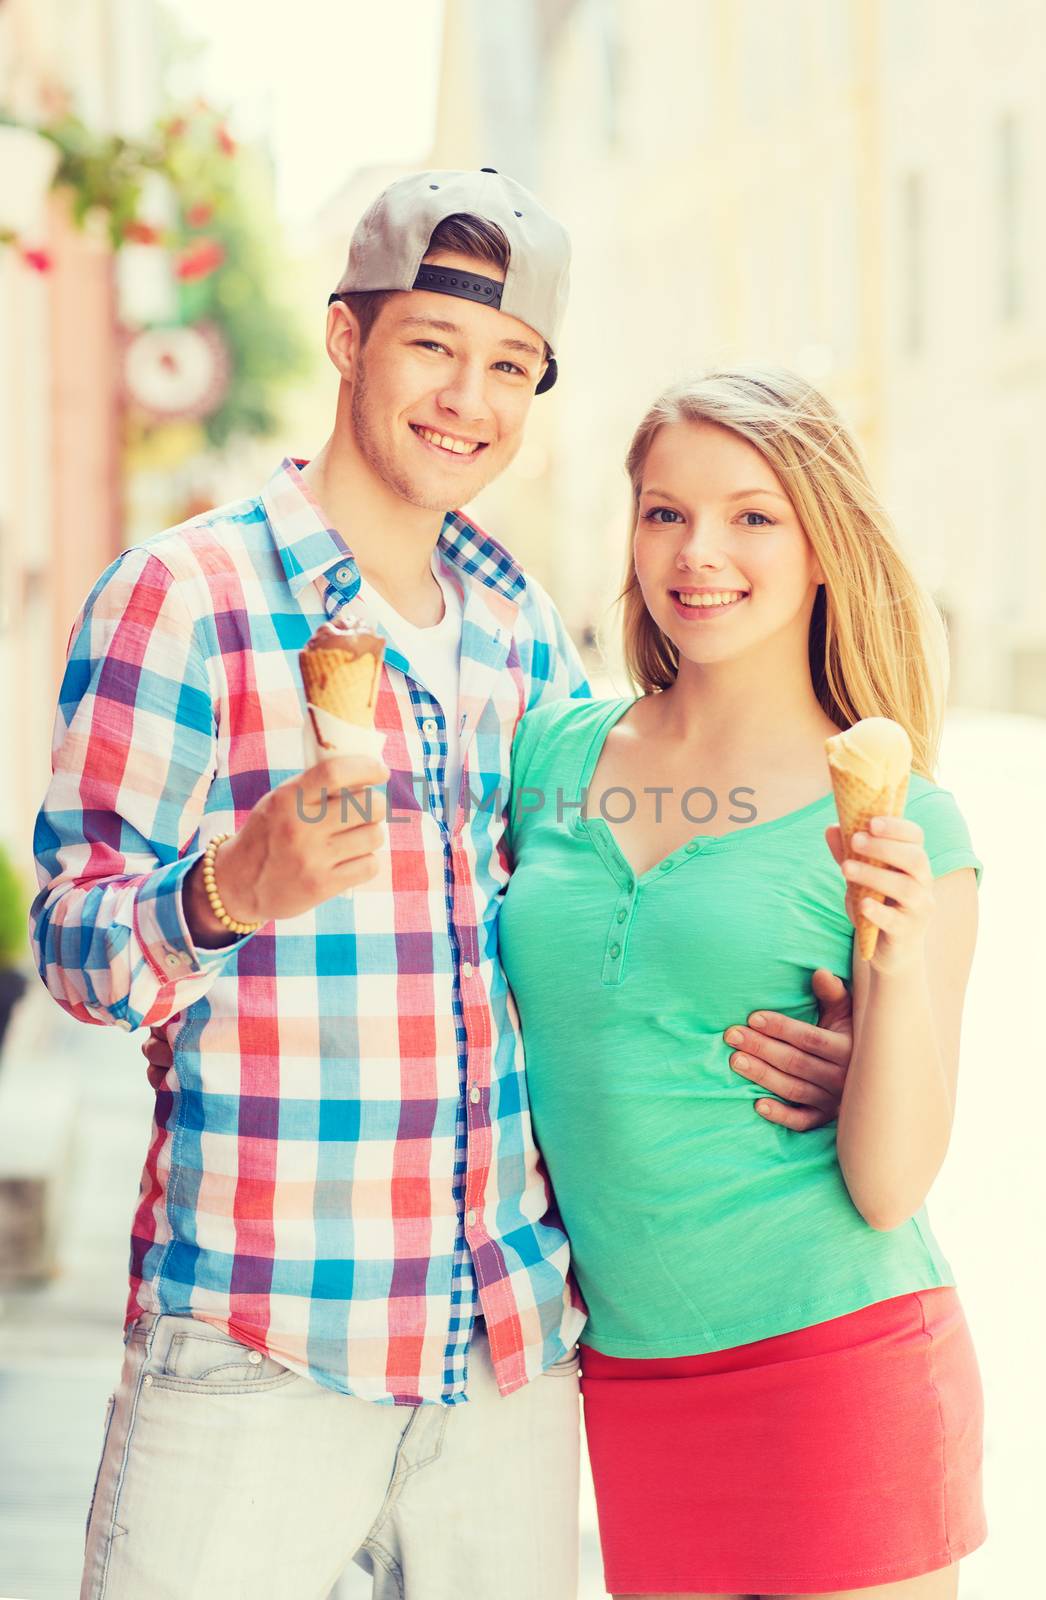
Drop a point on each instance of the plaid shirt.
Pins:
(342, 1171)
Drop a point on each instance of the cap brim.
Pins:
(549, 376)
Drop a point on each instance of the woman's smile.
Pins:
(705, 605)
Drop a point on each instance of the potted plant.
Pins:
(14, 906)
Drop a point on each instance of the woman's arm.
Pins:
(898, 1103)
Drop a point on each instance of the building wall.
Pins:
(25, 527)
(722, 209)
(59, 522)
(851, 190)
(60, 501)
(963, 157)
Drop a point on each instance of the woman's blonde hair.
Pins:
(877, 642)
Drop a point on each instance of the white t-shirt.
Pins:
(434, 655)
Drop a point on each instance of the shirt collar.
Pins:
(308, 548)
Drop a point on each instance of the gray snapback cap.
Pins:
(393, 236)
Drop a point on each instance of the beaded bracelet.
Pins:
(214, 898)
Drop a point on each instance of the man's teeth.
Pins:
(459, 447)
(722, 599)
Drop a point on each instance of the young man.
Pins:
(344, 1229)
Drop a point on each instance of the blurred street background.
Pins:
(852, 188)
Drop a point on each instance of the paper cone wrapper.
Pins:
(325, 735)
(857, 803)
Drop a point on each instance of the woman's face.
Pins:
(721, 559)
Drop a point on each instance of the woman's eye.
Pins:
(763, 522)
(660, 513)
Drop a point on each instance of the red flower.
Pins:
(199, 215)
(226, 142)
(141, 233)
(199, 260)
(176, 127)
(39, 260)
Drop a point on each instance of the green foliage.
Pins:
(224, 244)
(103, 171)
(14, 914)
(244, 295)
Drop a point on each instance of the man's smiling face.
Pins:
(442, 390)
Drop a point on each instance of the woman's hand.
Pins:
(899, 868)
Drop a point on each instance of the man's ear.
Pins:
(343, 339)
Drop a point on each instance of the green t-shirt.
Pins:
(695, 1224)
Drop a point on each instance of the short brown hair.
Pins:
(465, 234)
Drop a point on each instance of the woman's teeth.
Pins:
(457, 447)
(727, 597)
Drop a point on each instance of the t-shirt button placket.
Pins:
(613, 955)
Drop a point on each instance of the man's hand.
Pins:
(312, 837)
(801, 1063)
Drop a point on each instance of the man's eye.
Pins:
(659, 513)
(510, 366)
(432, 344)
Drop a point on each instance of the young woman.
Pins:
(781, 1396)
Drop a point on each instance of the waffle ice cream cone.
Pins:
(341, 670)
(870, 765)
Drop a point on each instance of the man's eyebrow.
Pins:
(521, 344)
(453, 327)
(429, 322)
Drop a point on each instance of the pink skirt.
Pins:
(837, 1457)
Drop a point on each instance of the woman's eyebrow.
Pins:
(740, 494)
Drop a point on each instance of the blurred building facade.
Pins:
(60, 481)
(963, 201)
(851, 190)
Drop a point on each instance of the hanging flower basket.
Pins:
(188, 192)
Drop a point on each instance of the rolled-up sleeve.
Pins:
(133, 758)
